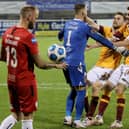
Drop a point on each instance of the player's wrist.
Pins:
(49, 66)
(53, 65)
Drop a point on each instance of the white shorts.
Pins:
(96, 74)
(120, 75)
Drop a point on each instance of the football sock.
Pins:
(103, 104)
(120, 108)
(93, 105)
(79, 103)
(27, 124)
(70, 102)
(8, 122)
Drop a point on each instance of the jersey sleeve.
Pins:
(119, 35)
(32, 44)
(98, 37)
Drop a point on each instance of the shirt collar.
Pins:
(77, 19)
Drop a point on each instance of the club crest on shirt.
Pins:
(33, 40)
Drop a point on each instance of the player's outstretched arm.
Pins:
(40, 63)
(122, 43)
(101, 39)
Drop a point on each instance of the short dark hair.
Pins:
(121, 14)
(78, 7)
(128, 8)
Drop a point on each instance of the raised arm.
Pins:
(92, 23)
(98, 37)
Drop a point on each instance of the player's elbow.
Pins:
(39, 62)
(40, 65)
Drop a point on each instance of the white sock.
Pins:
(8, 122)
(27, 124)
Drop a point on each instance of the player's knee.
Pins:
(107, 93)
(108, 86)
(16, 115)
(96, 86)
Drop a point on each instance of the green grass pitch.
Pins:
(52, 92)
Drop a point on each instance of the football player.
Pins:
(75, 34)
(119, 80)
(107, 62)
(20, 51)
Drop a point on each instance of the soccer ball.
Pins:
(56, 53)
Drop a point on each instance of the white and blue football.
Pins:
(56, 53)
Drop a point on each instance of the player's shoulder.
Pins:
(107, 29)
(21, 30)
(26, 34)
(26, 31)
(123, 28)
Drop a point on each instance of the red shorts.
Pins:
(23, 96)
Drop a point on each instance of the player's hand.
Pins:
(61, 65)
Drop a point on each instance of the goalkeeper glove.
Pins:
(122, 50)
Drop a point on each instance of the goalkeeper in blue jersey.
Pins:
(75, 35)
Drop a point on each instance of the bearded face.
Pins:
(30, 25)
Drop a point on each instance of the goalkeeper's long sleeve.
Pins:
(100, 38)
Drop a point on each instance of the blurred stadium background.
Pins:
(54, 13)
